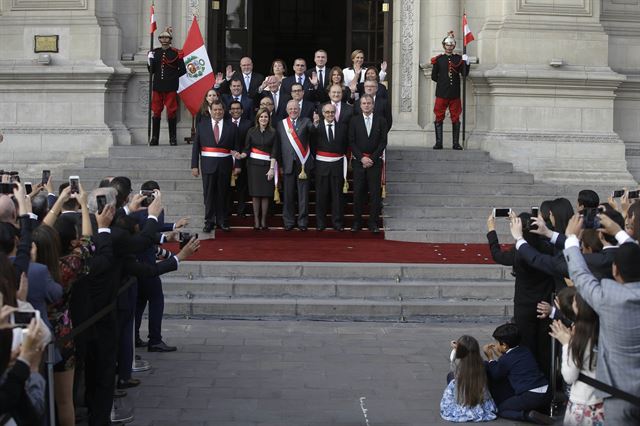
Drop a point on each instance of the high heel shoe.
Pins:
(264, 228)
(256, 228)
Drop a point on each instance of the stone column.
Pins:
(546, 102)
(406, 74)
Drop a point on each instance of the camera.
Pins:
(101, 200)
(6, 188)
(185, 237)
(22, 318)
(617, 193)
(45, 176)
(501, 212)
(591, 219)
(74, 184)
(634, 194)
(535, 211)
(149, 197)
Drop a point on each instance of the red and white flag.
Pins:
(153, 26)
(199, 77)
(468, 35)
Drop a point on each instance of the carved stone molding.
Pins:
(49, 4)
(566, 8)
(193, 9)
(407, 17)
(143, 95)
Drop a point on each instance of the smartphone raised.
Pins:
(535, 211)
(101, 200)
(22, 318)
(28, 187)
(149, 197)
(617, 193)
(501, 212)
(634, 194)
(74, 184)
(45, 176)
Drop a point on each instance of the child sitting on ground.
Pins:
(517, 385)
(466, 397)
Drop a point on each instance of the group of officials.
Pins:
(305, 129)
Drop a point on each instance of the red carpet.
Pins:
(331, 246)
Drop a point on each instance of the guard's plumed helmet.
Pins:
(166, 33)
(449, 39)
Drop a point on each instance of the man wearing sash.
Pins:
(294, 156)
(367, 140)
(215, 142)
(331, 167)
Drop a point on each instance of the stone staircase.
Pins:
(337, 291)
(446, 196)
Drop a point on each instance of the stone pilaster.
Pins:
(545, 99)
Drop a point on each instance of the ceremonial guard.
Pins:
(330, 148)
(167, 65)
(446, 72)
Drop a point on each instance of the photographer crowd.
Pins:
(591, 260)
(77, 270)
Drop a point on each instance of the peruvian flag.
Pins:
(468, 35)
(153, 24)
(199, 77)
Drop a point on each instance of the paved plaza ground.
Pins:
(297, 373)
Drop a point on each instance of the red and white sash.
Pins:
(331, 157)
(301, 151)
(259, 154)
(207, 151)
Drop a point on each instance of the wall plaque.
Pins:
(45, 43)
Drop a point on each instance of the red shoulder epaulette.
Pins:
(435, 59)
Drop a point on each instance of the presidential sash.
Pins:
(301, 151)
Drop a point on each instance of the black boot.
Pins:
(155, 132)
(172, 131)
(438, 126)
(455, 132)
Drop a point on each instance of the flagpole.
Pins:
(464, 87)
(150, 84)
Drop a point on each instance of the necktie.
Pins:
(294, 123)
(247, 80)
(237, 98)
(367, 121)
(236, 122)
(337, 105)
(216, 133)
(321, 79)
(275, 100)
(300, 80)
(330, 132)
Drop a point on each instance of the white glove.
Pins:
(465, 58)
(150, 57)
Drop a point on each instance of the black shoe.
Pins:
(256, 228)
(119, 393)
(125, 384)
(374, 229)
(161, 347)
(538, 418)
(264, 228)
(338, 228)
(207, 227)
(141, 343)
(173, 142)
(225, 228)
(153, 142)
(288, 228)
(302, 228)
(457, 147)
(321, 228)
(356, 227)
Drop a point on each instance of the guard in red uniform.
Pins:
(446, 72)
(166, 65)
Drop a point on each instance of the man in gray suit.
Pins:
(616, 302)
(293, 153)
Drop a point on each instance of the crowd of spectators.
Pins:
(590, 261)
(73, 264)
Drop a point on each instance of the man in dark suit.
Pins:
(321, 70)
(236, 95)
(241, 187)
(299, 76)
(381, 105)
(307, 108)
(215, 143)
(279, 97)
(293, 152)
(251, 81)
(344, 111)
(367, 140)
(331, 141)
